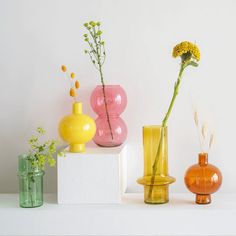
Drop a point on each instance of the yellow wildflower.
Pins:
(186, 47)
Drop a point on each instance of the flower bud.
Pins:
(99, 32)
(92, 23)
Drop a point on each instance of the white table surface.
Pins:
(179, 217)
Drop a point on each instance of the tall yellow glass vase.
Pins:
(156, 187)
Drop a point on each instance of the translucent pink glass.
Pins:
(113, 131)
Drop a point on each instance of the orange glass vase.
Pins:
(203, 179)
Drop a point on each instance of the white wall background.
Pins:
(36, 37)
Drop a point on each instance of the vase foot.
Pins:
(203, 198)
(77, 148)
(159, 194)
(108, 145)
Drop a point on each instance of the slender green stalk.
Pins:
(105, 101)
(97, 55)
(164, 122)
(176, 91)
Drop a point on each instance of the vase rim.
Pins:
(23, 155)
(203, 154)
(203, 159)
(154, 126)
(109, 85)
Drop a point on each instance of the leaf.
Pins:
(193, 63)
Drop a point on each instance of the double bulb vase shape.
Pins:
(156, 179)
(30, 183)
(108, 102)
(203, 179)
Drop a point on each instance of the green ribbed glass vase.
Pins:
(30, 183)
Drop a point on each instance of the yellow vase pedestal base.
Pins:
(160, 189)
(76, 148)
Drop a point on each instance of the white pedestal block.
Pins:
(96, 176)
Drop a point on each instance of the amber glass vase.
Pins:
(156, 182)
(203, 179)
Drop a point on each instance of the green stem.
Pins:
(176, 91)
(164, 122)
(103, 85)
(105, 101)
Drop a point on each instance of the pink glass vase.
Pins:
(109, 102)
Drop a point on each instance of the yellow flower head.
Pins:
(186, 50)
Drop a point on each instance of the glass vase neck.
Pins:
(109, 85)
(77, 108)
(203, 159)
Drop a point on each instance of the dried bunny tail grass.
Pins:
(77, 85)
(72, 92)
(72, 75)
(196, 118)
(212, 139)
(196, 121)
(63, 68)
(204, 131)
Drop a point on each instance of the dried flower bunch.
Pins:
(97, 55)
(206, 138)
(74, 84)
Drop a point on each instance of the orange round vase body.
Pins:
(203, 179)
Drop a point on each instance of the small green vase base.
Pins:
(29, 204)
(203, 198)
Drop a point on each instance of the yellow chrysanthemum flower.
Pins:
(186, 47)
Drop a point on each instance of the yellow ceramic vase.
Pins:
(77, 129)
(156, 187)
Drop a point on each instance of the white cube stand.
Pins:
(96, 176)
